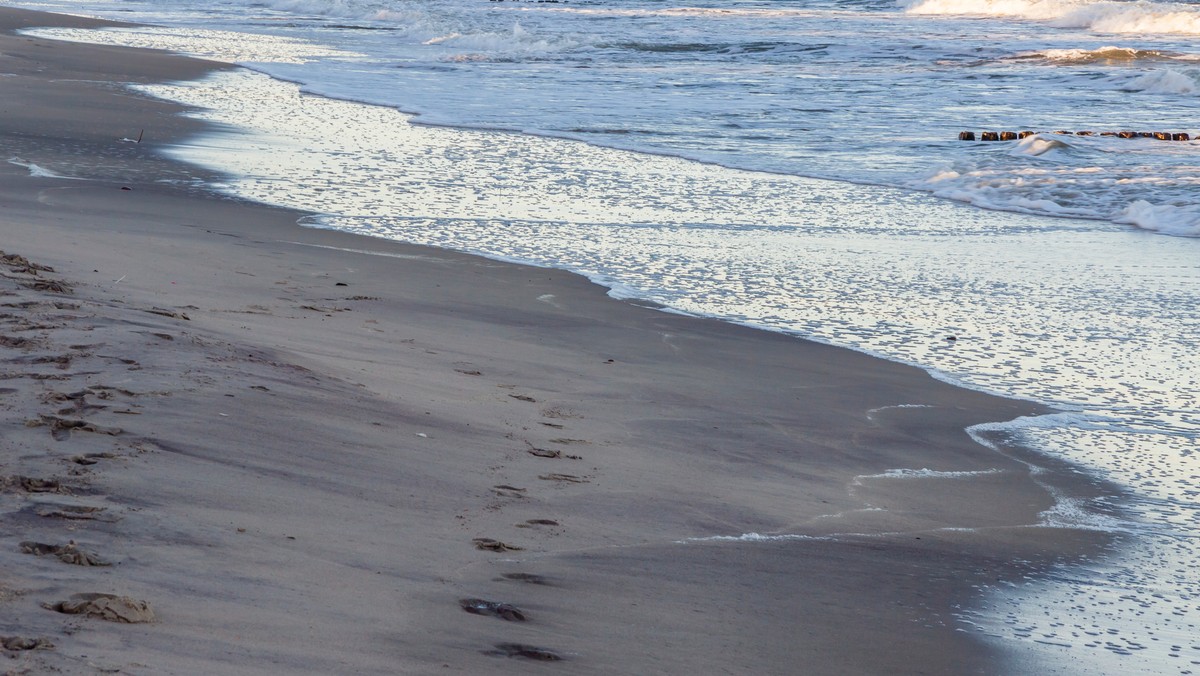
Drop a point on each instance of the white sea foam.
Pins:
(1104, 178)
(1055, 193)
(1084, 420)
(873, 411)
(754, 537)
(1133, 18)
(925, 473)
(499, 46)
(1073, 513)
(347, 9)
(1181, 220)
(1163, 81)
(1039, 145)
(35, 170)
(218, 45)
(1102, 17)
(707, 12)
(1031, 9)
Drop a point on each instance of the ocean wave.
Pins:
(1110, 54)
(348, 9)
(490, 45)
(1038, 145)
(1169, 219)
(410, 20)
(38, 171)
(704, 12)
(1164, 81)
(1141, 182)
(1102, 17)
(1028, 9)
(1032, 191)
(1134, 17)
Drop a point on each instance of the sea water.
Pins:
(794, 165)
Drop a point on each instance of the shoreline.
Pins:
(457, 392)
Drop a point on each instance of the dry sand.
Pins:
(311, 452)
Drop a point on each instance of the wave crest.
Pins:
(1038, 145)
(1109, 54)
(1102, 17)
(1168, 219)
(1164, 81)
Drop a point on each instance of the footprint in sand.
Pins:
(550, 453)
(91, 458)
(18, 343)
(36, 376)
(61, 428)
(75, 512)
(521, 650)
(45, 285)
(533, 523)
(106, 392)
(16, 643)
(168, 313)
(81, 407)
(559, 412)
(503, 611)
(527, 578)
(106, 607)
(58, 397)
(68, 553)
(488, 544)
(61, 361)
(19, 263)
(506, 491)
(31, 485)
(568, 478)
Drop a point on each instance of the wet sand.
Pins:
(303, 451)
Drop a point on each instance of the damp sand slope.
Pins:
(233, 445)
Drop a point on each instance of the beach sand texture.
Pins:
(291, 450)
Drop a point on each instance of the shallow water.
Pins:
(1096, 317)
(866, 91)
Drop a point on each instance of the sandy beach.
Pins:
(303, 451)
